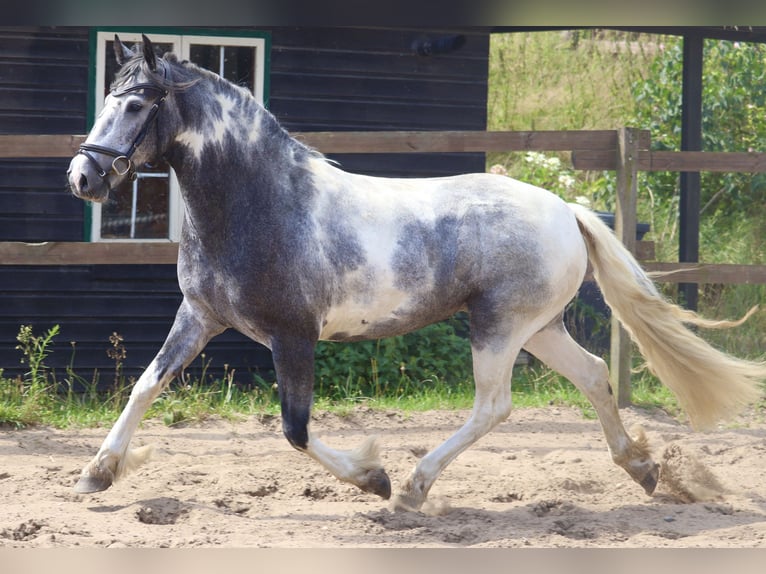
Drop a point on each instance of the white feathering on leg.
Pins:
(365, 456)
(133, 458)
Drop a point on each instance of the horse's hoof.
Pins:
(89, 484)
(649, 482)
(378, 483)
(406, 503)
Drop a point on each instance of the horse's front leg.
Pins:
(294, 365)
(188, 336)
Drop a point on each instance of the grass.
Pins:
(40, 398)
(184, 404)
(565, 81)
(538, 81)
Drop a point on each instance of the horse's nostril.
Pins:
(82, 184)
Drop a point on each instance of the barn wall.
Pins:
(321, 79)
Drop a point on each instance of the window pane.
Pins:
(239, 65)
(235, 63)
(138, 210)
(205, 56)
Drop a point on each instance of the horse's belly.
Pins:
(386, 313)
(364, 318)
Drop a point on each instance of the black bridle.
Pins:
(122, 164)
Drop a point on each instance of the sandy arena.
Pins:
(541, 479)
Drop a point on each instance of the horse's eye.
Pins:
(135, 106)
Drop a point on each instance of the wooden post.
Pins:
(691, 140)
(625, 229)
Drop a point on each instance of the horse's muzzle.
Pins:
(85, 182)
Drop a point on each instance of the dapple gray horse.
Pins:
(285, 247)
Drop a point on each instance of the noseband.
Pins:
(122, 164)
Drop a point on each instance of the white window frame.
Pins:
(181, 46)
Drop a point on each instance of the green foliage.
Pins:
(35, 348)
(191, 400)
(578, 80)
(397, 366)
(733, 119)
(25, 399)
(564, 81)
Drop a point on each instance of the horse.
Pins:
(284, 246)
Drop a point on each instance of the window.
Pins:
(151, 208)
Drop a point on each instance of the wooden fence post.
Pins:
(625, 229)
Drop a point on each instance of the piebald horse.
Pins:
(287, 248)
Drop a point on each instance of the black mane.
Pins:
(174, 75)
(183, 75)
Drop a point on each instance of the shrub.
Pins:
(397, 365)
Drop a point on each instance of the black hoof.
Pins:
(378, 483)
(649, 482)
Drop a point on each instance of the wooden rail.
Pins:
(137, 253)
(721, 273)
(37, 146)
(596, 150)
(744, 162)
(82, 253)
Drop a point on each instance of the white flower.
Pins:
(553, 163)
(567, 181)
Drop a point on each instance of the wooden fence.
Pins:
(625, 151)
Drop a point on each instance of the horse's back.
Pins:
(479, 217)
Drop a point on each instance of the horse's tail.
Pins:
(710, 385)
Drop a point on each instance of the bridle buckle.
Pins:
(118, 162)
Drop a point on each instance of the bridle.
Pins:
(122, 164)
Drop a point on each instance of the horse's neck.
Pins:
(232, 169)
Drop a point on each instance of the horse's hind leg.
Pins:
(492, 367)
(556, 348)
(188, 336)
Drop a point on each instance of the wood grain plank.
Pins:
(34, 146)
(677, 161)
(743, 162)
(21, 146)
(724, 273)
(81, 253)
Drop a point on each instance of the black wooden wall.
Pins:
(321, 79)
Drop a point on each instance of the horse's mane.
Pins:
(174, 75)
(182, 77)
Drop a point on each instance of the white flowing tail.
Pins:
(710, 385)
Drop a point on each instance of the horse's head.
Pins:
(125, 132)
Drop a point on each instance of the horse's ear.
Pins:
(151, 59)
(121, 52)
